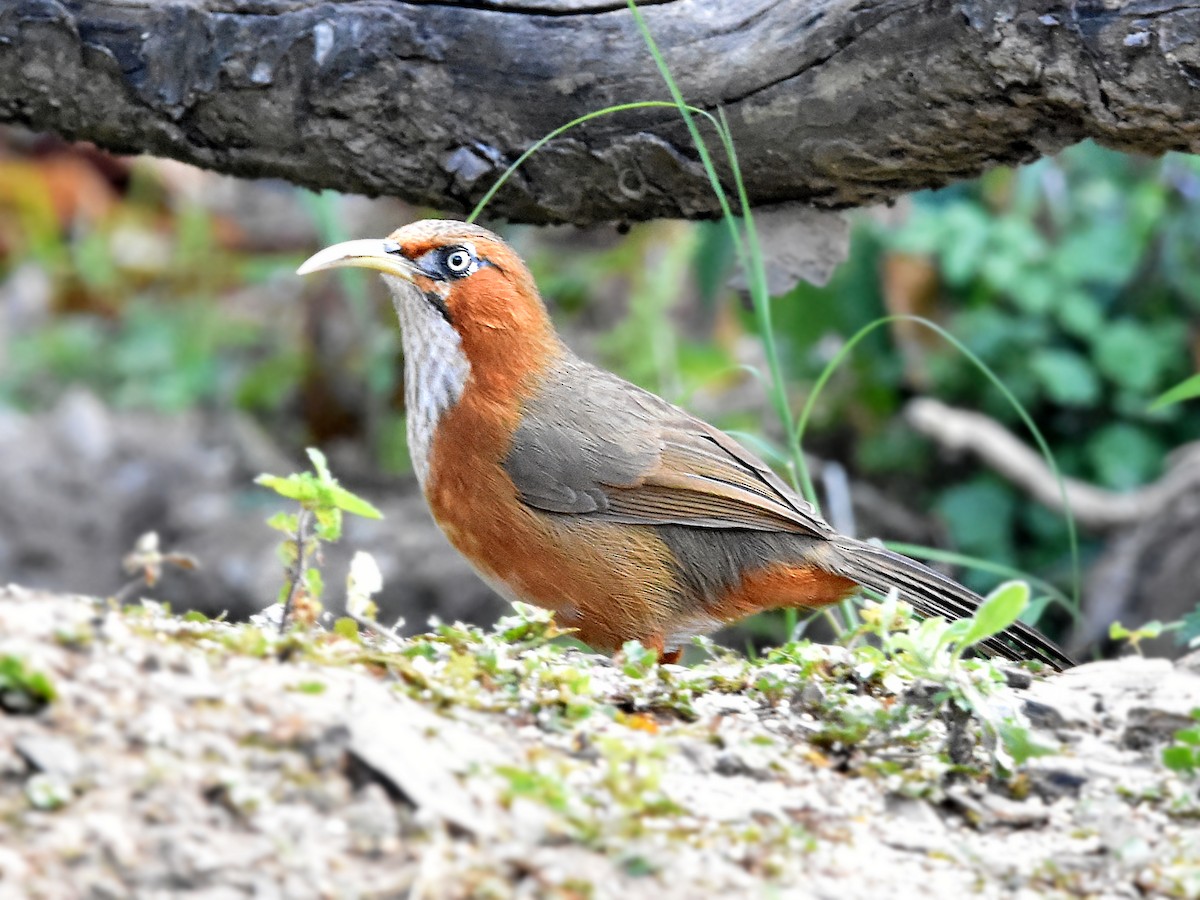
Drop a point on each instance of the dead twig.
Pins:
(145, 562)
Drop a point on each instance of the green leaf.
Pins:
(639, 866)
(324, 498)
(353, 504)
(329, 523)
(966, 238)
(1080, 315)
(1124, 455)
(1189, 628)
(999, 611)
(954, 633)
(1020, 742)
(252, 641)
(346, 627)
(15, 676)
(302, 488)
(1186, 390)
(543, 788)
(1065, 377)
(638, 659)
(286, 551)
(285, 522)
(1033, 291)
(315, 582)
(321, 465)
(1105, 253)
(1149, 630)
(1130, 355)
(1180, 759)
(1188, 736)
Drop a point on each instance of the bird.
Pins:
(571, 489)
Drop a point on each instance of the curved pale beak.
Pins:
(383, 256)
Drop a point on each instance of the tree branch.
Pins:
(832, 102)
(1094, 507)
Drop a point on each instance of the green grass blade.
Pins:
(749, 251)
(562, 129)
(844, 353)
(685, 111)
(1187, 389)
(761, 299)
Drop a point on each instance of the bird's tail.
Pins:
(934, 594)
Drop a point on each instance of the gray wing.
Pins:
(592, 444)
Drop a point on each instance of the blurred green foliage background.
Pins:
(1074, 279)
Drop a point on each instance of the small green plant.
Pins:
(322, 502)
(636, 660)
(1183, 756)
(23, 690)
(1147, 632)
(933, 651)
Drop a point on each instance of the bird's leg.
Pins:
(658, 645)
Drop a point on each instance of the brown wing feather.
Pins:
(592, 444)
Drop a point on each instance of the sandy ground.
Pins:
(200, 759)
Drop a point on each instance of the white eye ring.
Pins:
(458, 261)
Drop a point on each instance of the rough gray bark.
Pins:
(832, 102)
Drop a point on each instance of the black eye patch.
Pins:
(447, 263)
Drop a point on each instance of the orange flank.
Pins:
(782, 586)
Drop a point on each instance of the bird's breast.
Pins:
(436, 371)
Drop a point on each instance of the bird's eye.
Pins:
(458, 260)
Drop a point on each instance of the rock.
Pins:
(1149, 698)
(13, 868)
(1057, 779)
(50, 754)
(799, 243)
(372, 821)
(918, 827)
(419, 756)
(1189, 663)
